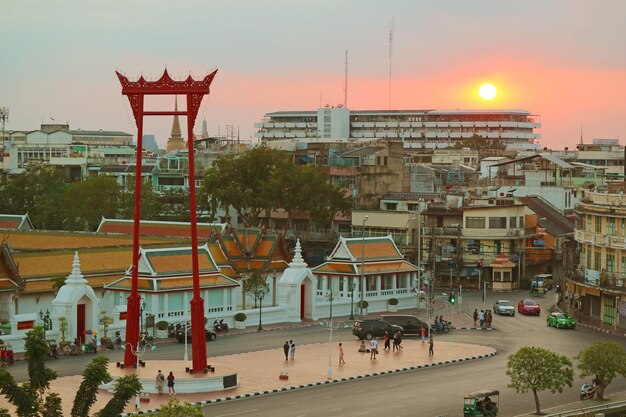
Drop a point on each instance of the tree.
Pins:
(536, 369)
(38, 191)
(151, 204)
(603, 360)
(266, 179)
(174, 408)
(86, 202)
(29, 399)
(57, 282)
(256, 285)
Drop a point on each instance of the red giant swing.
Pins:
(194, 91)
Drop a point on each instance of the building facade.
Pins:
(416, 128)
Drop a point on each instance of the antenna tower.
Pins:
(4, 117)
(390, 55)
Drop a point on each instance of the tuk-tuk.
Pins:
(481, 403)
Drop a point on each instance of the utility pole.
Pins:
(4, 117)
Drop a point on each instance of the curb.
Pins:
(317, 384)
(600, 329)
(475, 328)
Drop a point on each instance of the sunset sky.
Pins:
(562, 60)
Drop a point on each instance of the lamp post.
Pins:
(352, 299)
(362, 284)
(47, 322)
(138, 352)
(142, 308)
(330, 337)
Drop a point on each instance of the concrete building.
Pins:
(596, 287)
(415, 128)
(149, 143)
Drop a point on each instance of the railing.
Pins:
(591, 410)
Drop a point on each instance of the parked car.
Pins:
(561, 320)
(367, 329)
(528, 307)
(410, 324)
(504, 307)
(180, 335)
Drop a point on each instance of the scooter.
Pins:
(220, 326)
(587, 391)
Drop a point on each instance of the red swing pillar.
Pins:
(194, 92)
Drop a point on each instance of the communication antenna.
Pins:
(345, 83)
(390, 55)
(4, 117)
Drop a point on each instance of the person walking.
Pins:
(170, 384)
(481, 318)
(286, 348)
(488, 318)
(431, 351)
(423, 332)
(373, 348)
(292, 350)
(94, 344)
(475, 316)
(160, 379)
(387, 340)
(341, 361)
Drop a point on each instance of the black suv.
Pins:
(180, 335)
(410, 324)
(367, 329)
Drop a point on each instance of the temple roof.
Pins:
(159, 228)
(15, 222)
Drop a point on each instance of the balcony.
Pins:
(612, 280)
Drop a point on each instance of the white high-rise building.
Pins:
(416, 128)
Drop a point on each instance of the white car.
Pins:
(504, 307)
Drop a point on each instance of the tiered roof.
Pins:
(373, 255)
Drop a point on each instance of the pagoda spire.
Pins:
(176, 142)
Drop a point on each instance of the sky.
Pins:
(563, 60)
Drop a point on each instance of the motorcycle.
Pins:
(587, 391)
(220, 326)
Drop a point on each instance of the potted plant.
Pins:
(63, 328)
(362, 305)
(162, 327)
(106, 321)
(240, 319)
(392, 305)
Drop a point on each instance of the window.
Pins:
(521, 221)
(598, 224)
(597, 257)
(387, 282)
(588, 225)
(497, 246)
(473, 247)
(610, 226)
(588, 259)
(623, 227)
(391, 206)
(497, 222)
(610, 262)
(475, 222)
(513, 222)
(623, 268)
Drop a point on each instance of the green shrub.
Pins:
(162, 325)
(362, 304)
(240, 317)
(393, 301)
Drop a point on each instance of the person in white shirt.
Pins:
(373, 348)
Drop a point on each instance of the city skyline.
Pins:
(560, 60)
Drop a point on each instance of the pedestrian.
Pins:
(94, 343)
(341, 361)
(423, 332)
(160, 379)
(481, 318)
(431, 351)
(475, 316)
(397, 341)
(362, 348)
(373, 348)
(170, 384)
(387, 340)
(488, 318)
(286, 347)
(292, 350)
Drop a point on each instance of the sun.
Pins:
(487, 91)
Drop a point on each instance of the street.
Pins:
(428, 392)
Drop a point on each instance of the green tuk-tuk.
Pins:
(481, 403)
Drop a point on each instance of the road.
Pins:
(428, 392)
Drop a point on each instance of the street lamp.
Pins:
(142, 308)
(363, 263)
(330, 337)
(138, 352)
(47, 322)
(352, 285)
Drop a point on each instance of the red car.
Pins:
(528, 306)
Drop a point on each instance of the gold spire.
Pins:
(176, 142)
